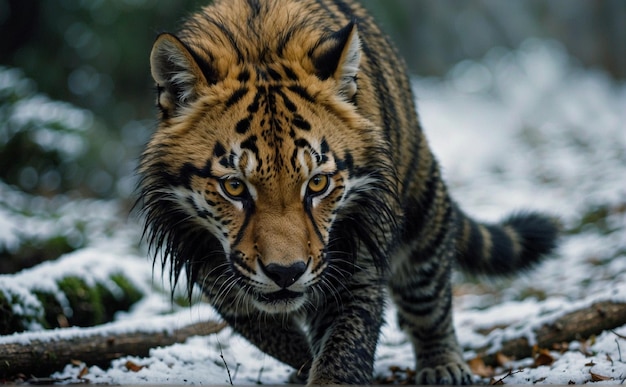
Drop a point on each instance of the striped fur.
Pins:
(290, 179)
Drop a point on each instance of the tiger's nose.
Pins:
(284, 276)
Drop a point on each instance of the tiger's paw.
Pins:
(451, 373)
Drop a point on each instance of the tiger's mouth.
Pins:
(282, 295)
(280, 301)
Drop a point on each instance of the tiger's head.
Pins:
(263, 177)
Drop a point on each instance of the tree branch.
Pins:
(93, 346)
(579, 324)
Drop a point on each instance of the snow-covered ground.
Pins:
(520, 129)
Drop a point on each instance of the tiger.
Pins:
(289, 179)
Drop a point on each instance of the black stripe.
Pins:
(440, 281)
(331, 14)
(346, 9)
(248, 207)
(308, 205)
(300, 123)
(418, 210)
(414, 161)
(275, 75)
(243, 125)
(501, 258)
(475, 245)
(229, 35)
(289, 73)
(250, 143)
(346, 163)
(210, 74)
(388, 111)
(255, 7)
(189, 170)
(244, 76)
(288, 103)
(443, 315)
(302, 143)
(254, 106)
(302, 92)
(236, 96)
(219, 150)
(440, 238)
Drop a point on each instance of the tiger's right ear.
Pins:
(178, 73)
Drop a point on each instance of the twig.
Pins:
(236, 371)
(510, 373)
(618, 335)
(230, 380)
(258, 379)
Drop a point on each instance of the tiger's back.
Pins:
(289, 177)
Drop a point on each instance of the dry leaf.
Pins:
(543, 358)
(502, 359)
(561, 347)
(599, 378)
(84, 371)
(133, 366)
(478, 367)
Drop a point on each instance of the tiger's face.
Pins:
(264, 180)
(265, 160)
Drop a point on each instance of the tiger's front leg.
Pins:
(344, 338)
(278, 336)
(422, 292)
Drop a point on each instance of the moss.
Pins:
(33, 251)
(97, 304)
(597, 219)
(90, 305)
(9, 322)
(538, 294)
(86, 302)
(131, 293)
(52, 309)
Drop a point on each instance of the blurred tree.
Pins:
(40, 138)
(92, 53)
(435, 35)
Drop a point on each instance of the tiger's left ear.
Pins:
(338, 56)
(178, 72)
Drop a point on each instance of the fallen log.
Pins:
(34, 357)
(576, 325)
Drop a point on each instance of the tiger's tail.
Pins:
(516, 243)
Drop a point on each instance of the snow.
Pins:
(519, 129)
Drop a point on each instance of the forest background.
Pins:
(93, 54)
(77, 107)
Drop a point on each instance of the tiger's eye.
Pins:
(234, 187)
(318, 184)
